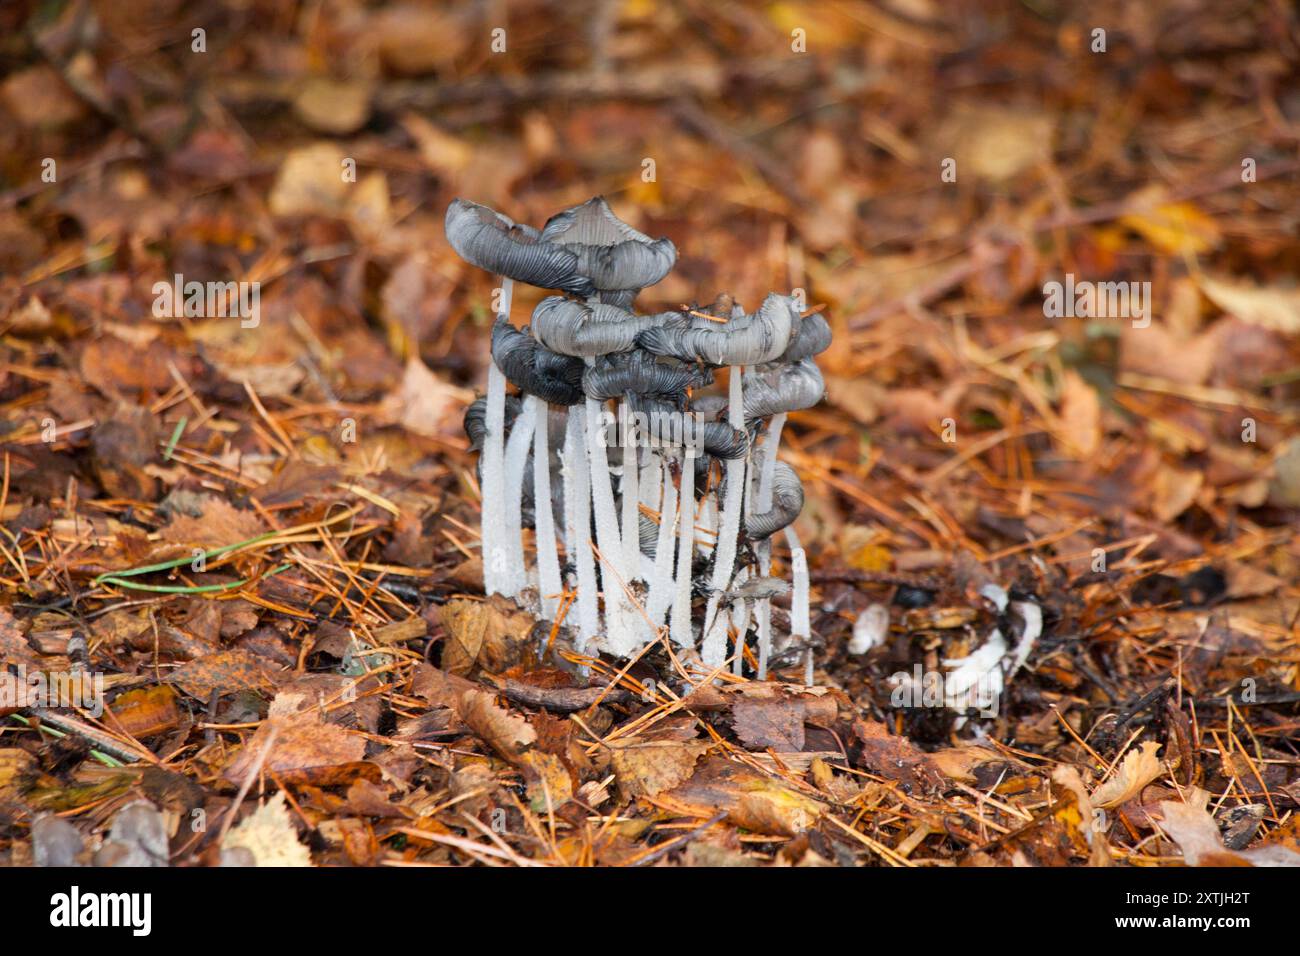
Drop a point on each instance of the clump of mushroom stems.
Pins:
(638, 530)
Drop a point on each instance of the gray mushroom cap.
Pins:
(753, 339)
(787, 502)
(575, 328)
(786, 388)
(533, 369)
(812, 337)
(613, 255)
(668, 426)
(637, 373)
(475, 420)
(491, 241)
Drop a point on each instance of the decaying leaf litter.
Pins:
(264, 536)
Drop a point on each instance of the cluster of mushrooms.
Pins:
(613, 431)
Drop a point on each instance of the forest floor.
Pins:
(260, 530)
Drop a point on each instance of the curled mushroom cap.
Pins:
(573, 328)
(491, 241)
(669, 426)
(751, 339)
(475, 420)
(613, 255)
(637, 373)
(787, 388)
(811, 337)
(787, 502)
(533, 369)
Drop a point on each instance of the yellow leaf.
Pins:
(1174, 228)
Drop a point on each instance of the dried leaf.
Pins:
(269, 835)
(1138, 768)
(644, 768)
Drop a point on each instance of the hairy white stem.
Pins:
(548, 557)
(493, 528)
(577, 516)
(661, 583)
(651, 482)
(516, 458)
(631, 497)
(714, 649)
(740, 617)
(763, 502)
(620, 637)
(680, 622)
(800, 614)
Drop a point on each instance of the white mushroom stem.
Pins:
(493, 527)
(631, 495)
(661, 583)
(740, 613)
(548, 557)
(800, 613)
(620, 638)
(714, 649)
(680, 622)
(511, 505)
(763, 502)
(577, 517)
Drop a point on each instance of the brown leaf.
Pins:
(751, 800)
(115, 367)
(490, 634)
(644, 768)
(895, 758)
(504, 732)
(777, 723)
(1080, 416)
(221, 524)
(1198, 836)
(146, 711)
(224, 671)
(1139, 767)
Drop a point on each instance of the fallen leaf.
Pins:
(1272, 307)
(269, 835)
(490, 634)
(895, 758)
(1080, 416)
(751, 800)
(769, 723)
(1138, 768)
(1198, 836)
(225, 671)
(644, 768)
(503, 731)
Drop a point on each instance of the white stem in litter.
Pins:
(762, 503)
(493, 527)
(661, 583)
(516, 459)
(680, 622)
(800, 614)
(577, 516)
(548, 556)
(714, 649)
(631, 495)
(620, 638)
